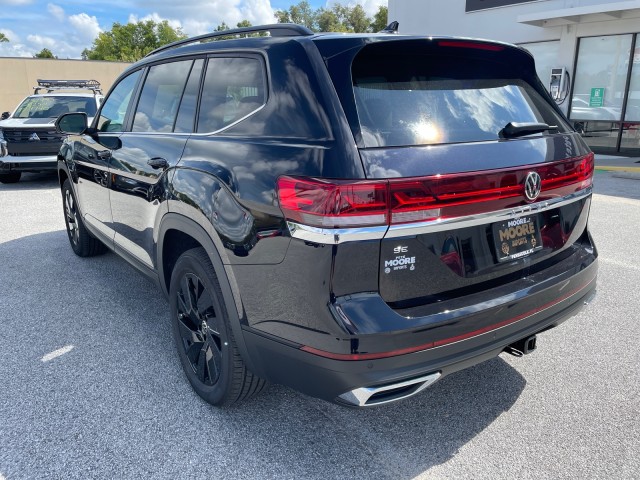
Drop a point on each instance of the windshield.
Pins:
(54, 106)
(414, 99)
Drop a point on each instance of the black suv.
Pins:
(354, 216)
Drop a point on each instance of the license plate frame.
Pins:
(517, 237)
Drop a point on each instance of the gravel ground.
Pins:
(91, 387)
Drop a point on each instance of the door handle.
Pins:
(158, 162)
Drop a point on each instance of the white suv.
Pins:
(28, 138)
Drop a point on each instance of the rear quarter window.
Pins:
(416, 98)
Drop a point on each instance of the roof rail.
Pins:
(52, 85)
(274, 30)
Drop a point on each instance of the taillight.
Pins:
(345, 203)
(333, 204)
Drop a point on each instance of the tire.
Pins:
(13, 177)
(82, 242)
(203, 336)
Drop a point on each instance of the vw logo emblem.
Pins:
(532, 186)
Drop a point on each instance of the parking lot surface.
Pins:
(91, 387)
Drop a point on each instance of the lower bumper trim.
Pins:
(370, 396)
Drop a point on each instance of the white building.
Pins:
(593, 45)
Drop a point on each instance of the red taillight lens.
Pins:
(333, 204)
(336, 204)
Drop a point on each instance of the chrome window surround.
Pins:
(335, 236)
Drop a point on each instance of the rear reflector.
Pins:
(344, 203)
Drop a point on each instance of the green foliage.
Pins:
(132, 41)
(339, 18)
(3, 38)
(244, 24)
(302, 14)
(380, 19)
(44, 53)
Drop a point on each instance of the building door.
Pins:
(605, 102)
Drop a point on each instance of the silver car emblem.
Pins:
(34, 137)
(532, 186)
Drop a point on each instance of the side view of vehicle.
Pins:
(354, 216)
(28, 138)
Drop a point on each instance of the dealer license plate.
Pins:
(516, 238)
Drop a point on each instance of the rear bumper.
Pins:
(35, 163)
(429, 347)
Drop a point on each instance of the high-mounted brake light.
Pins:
(466, 44)
(360, 203)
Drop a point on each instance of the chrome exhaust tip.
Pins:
(370, 396)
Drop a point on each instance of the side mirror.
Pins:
(72, 123)
(5, 115)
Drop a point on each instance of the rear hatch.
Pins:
(484, 180)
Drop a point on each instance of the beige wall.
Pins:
(18, 76)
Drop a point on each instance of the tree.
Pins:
(222, 27)
(244, 24)
(329, 21)
(3, 38)
(380, 19)
(44, 53)
(357, 19)
(302, 14)
(132, 41)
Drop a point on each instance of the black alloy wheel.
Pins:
(203, 335)
(82, 242)
(200, 330)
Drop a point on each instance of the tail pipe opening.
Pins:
(369, 396)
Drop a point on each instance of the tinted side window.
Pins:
(160, 97)
(115, 106)
(233, 89)
(187, 111)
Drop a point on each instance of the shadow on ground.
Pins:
(32, 181)
(118, 406)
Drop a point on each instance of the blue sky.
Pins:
(66, 27)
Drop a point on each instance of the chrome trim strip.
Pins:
(335, 236)
(360, 396)
(412, 229)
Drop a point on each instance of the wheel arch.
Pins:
(178, 234)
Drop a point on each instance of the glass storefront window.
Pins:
(601, 74)
(633, 104)
(546, 57)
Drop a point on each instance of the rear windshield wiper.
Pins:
(518, 129)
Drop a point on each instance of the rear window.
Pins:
(54, 106)
(427, 98)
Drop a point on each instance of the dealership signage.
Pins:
(473, 5)
(597, 97)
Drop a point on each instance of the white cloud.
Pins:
(154, 17)
(258, 12)
(56, 11)
(11, 35)
(38, 42)
(16, 2)
(86, 27)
